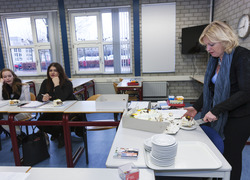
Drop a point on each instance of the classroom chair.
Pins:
(214, 137)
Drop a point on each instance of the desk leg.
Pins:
(85, 92)
(14, 140)
(67, 140)
(93, 87)
(140, 94)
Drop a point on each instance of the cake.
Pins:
(149, 114)
(187, 122)
(14, 102)
(57, 102)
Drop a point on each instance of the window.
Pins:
(101, 41)
(28, 42)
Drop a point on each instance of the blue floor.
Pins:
(99, 144)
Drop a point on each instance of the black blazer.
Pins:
(64, 93)
(238, 104)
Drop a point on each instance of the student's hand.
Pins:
(210, 117)
(56, 81)
(46, 97)
(191, 111)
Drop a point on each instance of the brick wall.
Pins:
(231, 11)
(10, 6)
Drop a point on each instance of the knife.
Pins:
(200, 121)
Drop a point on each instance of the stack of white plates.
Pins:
(164, 148)
(148, 144)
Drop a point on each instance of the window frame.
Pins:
(52, 27)
(99, 42)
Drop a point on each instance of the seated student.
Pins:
(56, 86)
(11, 87)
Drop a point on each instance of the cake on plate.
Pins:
(57, 102)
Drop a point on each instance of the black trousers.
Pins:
(58, 130)
(53, 130)
(237, 132)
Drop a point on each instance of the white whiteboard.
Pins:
(158, 37)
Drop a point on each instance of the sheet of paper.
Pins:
(14, 175)
(33, 104)
(3, 103)
(139, 105)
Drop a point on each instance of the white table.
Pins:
(85, 107)
(83, 84)
(13, 173)
(82, 173)
(123, 86)
(134, 138)
(47, 108)
(14, 168)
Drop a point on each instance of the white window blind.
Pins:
(158, 37)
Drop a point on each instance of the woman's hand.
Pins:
(56, 81)
(191, 111)
(1, 80)
(210, 117)
(46, 97)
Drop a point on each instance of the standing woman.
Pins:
(225, 101)
(56, 86)
(11, 87)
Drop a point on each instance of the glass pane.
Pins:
(107, 27)
(45, 59)
(88, 59)
(23, 60)
(42, 30)
(124, 26)
(19, 30)
(86, 28)
(125, 42)
(108, 58)
(125, 58)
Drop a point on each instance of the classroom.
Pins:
(103, 45)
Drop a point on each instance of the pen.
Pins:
(28, 170)
(20, 105)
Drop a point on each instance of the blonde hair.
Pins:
(218, 31)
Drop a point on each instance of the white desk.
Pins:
(47, 108)
(83, 84)
(90, 107)
(123, 86)
(84, 107)
(82, 173)
(134, 138)
(14, 168)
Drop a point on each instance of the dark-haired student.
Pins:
(56, 86)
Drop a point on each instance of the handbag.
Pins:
(34, 149)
